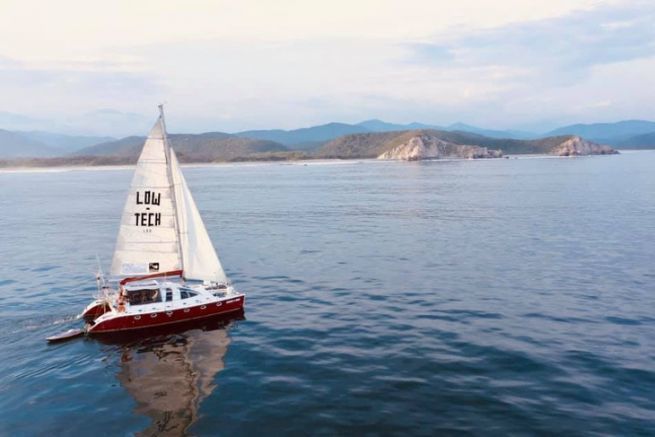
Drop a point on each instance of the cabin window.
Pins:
(186, 293)
(140, 297)
(169, 295)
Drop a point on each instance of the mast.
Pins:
(169, 171)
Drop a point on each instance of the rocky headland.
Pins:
(429, 147)
(578, 146)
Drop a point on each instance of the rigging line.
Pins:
(167, 153)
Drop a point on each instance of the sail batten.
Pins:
(161, 228)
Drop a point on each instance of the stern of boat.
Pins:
(95, 309)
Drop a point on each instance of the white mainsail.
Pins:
(161, 229)
(147, 240)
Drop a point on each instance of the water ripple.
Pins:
(383, 298)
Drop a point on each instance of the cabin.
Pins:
(152, 292)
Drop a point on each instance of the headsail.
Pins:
(161, 228)
(148, 239)
(200, 258)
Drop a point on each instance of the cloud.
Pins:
(65, 87)
(57, 96)
(32, 29)
(584, 66)
(228, 66)
(559, 48)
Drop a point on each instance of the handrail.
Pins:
(154, 275)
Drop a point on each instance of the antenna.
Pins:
(100, 276)
(163, 126)
(161, 115)
(100, 272)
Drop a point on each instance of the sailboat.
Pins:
(165, 269)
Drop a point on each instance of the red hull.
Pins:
(130, 336)
(130, 322)
(95, 311)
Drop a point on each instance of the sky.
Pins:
(101, 67)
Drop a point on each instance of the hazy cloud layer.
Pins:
(563, 45)
(226, 66)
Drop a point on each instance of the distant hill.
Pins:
(68, 161)
(643, 141)
(368, 138)
(368, 145)
(312, 138)
(309, 140)
(372, 145)
(492, 133)
(382, 126)
(615, 134)
(206, 147)
(404, 144)
(125, 147)
(64, 144)
(14, 145)
(305, 138)
(42, 144)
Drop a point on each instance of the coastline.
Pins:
(107, 167)
(299, 162)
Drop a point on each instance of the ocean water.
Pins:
(512, 296)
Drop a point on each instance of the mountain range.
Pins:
(41, 144)
(206, 147)
(315, 141)
(313, 137)
(622, 134)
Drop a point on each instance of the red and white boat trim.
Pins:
(146, 302)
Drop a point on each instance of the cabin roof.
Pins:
(141, 285)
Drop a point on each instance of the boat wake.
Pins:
(30, 325)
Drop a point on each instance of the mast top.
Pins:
(163, 124)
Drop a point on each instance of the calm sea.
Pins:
(511, 296)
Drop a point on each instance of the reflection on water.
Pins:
(170, 374)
